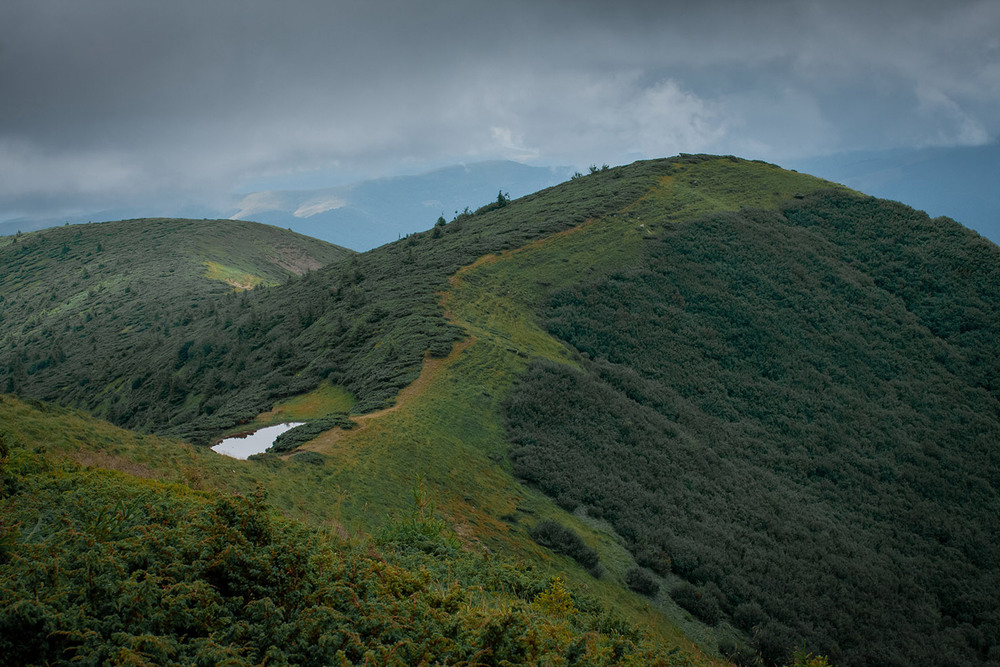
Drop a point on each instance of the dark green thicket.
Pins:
(100, 569)
(562, 540)
(193, 369)
(642, 581)
(797, 412)
(98, 315)
(703, 604)
(311, 458)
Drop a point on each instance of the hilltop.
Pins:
(84, 297)
(763, 402)
(359, 215)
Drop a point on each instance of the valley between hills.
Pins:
(687, 411)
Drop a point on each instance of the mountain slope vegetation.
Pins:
(766, 402)
(956, 181)
(364, 324)
(80, 302)
(371, 213)
(804, 365)
(105, 568)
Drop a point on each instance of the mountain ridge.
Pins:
(766, 343)
(956, 181)
(362, 214)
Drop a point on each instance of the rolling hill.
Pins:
(765, 403)
(84, 297)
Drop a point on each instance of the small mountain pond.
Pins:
(255, 443)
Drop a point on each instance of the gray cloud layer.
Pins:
(109, 101)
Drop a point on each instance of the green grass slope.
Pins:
(364, 324)
(104, 568)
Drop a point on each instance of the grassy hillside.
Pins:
(79, 303)
(364, 324)
(765, 403)
(813, 374)
(105, 568)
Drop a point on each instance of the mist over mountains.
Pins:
(364, 215)
(958, 182)
(359, 216)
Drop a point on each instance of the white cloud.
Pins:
(135, 101)
(258, 202)
(953, 126)
(312, 207)
(663, 119)
(511, 146)
(580, 117)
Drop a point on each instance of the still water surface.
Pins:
(255, 443)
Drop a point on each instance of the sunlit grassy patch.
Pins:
(325, 399)
(728, 184)
(241, 280)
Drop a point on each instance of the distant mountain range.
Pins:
(958, 182)
(368, 214)
(360, 216)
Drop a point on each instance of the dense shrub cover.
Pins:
(797, 412)
(642, 581)
(97, 568)
(176, 357)
(562, 540)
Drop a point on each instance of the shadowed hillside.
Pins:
(777, 406)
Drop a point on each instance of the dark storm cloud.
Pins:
(128, 99)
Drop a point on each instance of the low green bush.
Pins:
(101, 568)
(562, 540)
(312, 458)
(701, 605)
(642, 581)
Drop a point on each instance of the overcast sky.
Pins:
(106, 103)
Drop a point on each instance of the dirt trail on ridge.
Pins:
(428, 372)
(432, 366)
